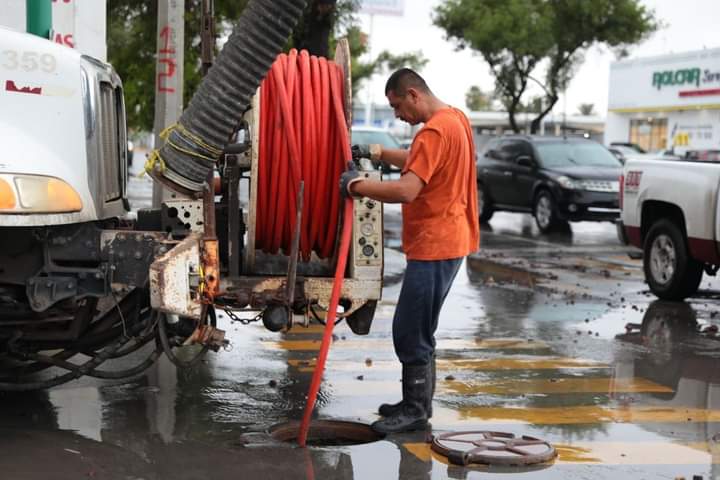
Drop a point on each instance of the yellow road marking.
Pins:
(607, 453)
(493, 364)
(585, 414)
(314, 329)
(355, 387)
(539, 363)
(386, 344)
(551, 386)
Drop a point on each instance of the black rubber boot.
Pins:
(412, 414)
(390, 409)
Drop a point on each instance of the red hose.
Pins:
(329, 323)
(303, 136)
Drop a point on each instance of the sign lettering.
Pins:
(683, 76)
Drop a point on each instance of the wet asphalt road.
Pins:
(532, 341)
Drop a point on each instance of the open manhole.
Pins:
(492, 448)
(326, 433)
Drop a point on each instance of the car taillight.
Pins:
(622, 190)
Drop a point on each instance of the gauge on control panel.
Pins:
(367, 229)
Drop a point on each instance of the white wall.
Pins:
(13, 14)
(617, 128)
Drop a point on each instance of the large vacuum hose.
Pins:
(195, 143)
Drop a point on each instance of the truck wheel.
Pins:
(669, 270)
(545, 212)
(484, 207)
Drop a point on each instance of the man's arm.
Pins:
(404, 190)
(395, 156)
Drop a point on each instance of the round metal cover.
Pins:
(492, 448)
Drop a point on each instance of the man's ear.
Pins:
(412, 93)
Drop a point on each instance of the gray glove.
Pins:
(371, 151)
(347, 178)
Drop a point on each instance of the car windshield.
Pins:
(567, 154)
(386, 139)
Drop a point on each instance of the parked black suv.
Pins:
(556, 179)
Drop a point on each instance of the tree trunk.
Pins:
(512, 110)
(313, 34)
(535, 124)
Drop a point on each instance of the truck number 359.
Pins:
(28, 61)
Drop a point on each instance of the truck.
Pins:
(84, 280)
(670, 210)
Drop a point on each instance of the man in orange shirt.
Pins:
(438, 190)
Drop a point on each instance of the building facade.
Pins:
(666, 103)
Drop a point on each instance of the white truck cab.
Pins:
(62, 123)
(670, 211)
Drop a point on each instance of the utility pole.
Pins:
(170, 56)
(207, 35)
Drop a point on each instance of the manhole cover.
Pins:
(327, 433)
(492, 448)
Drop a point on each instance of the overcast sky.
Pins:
(689, 25)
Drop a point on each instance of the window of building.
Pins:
(649, 133)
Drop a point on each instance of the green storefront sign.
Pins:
(684, 76)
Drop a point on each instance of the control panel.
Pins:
(367, 242)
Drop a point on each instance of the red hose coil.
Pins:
(303, 136)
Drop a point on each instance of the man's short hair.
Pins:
(402, 79)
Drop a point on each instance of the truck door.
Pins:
(717, 219)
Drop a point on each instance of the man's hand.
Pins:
(372, 151)
(350, 176)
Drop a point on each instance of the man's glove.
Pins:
(350, 176)
(372, 151)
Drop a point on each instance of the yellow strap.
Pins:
(201, 284)
(153, 159)
(185, 132)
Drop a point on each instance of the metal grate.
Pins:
(109, 143)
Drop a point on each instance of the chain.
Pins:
(244, 321)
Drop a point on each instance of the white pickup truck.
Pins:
(670, 210)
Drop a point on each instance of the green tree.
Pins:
(132, 26)
(541, 41)
(586, 109)
(477, 100)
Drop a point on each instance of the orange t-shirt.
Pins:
(442, 222)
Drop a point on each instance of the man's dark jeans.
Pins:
(425, 286)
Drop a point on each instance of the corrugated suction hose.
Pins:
(195, 143)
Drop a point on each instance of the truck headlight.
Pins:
(37, 194)
(7, 195)
(569, 183)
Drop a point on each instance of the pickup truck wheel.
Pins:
(545, 212)
(484, 207)
(669, 270)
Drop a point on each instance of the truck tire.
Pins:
(484, 206)
(669, 270)
(545, 211)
